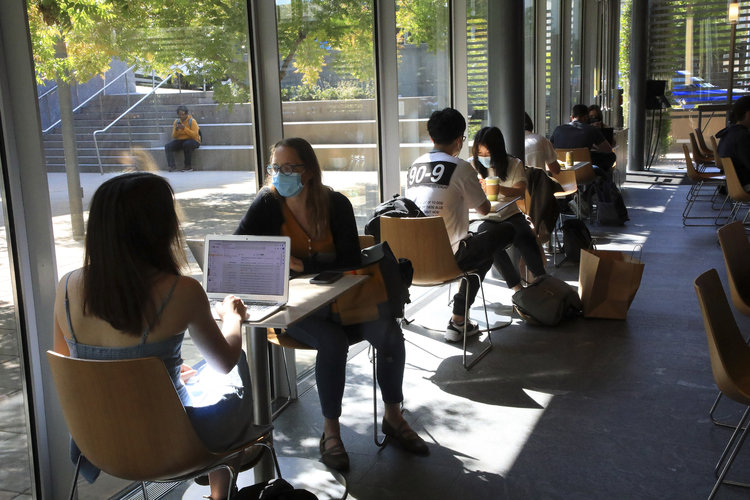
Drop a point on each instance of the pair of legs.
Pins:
(476, 253)
(525, 241)
(332, 341)
(187, 146)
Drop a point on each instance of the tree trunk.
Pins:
(67, 126)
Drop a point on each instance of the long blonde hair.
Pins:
(318, 195)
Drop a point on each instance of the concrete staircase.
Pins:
(227, 135)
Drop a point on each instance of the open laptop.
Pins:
(254, 268)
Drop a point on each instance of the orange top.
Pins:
(303, 247)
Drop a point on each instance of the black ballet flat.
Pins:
(335, 457)
(406, 437)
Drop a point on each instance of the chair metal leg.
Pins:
(74, 486)
(273, 455)
(289, 398)
(466, 322)
(735, 448)
(144, 490)
(372, 352)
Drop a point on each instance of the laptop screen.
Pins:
(250, 267)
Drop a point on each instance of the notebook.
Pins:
(254, 268)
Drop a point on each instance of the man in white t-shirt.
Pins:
(443, 185)
(540, 153)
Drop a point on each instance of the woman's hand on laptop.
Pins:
(231, 305)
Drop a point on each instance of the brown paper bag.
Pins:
(608, 281)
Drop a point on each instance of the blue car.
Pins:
(699, 91)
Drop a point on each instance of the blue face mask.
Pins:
(287, 185)
(485, 160)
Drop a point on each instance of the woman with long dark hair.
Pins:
(490, 159)
(129, 300)
(323, 232)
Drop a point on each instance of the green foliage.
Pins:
(328, 93)
(626, 16)
(423, 22)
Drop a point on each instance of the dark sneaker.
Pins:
(172, 169)
(455, 333)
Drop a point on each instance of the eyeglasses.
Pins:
(463, 138)
(286, 169)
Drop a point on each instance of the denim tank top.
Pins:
(168, 350)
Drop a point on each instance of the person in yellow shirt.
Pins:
(185, 132)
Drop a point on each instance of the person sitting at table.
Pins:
(539, 152)
(490, 159)
(596, 119)
(441, 184)
(579, 134)
(323, 232)
(735, 140)
(129, 300)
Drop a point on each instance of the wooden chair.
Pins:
(700, 159)
(717, 158)
(730, 363)
(735, 248)
(126, 418)
(736, 194)
(279, 338)
(424, 241)
(699, 180)
(702, 146)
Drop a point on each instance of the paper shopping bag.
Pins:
(608, 281)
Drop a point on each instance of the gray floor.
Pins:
(588, 409)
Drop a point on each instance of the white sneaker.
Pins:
(455, 333)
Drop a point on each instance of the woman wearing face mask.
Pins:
(323, 232)
(490, 159)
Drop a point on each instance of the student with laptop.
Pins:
(129, 300)
(320, 223)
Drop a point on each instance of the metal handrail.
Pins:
(131, 108)
(90, 98)
(49, 91)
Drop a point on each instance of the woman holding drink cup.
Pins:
(503, 177)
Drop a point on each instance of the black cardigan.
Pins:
(265, 217)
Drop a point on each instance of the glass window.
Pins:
(327, 73)
(689, 52)
(424, 72)
(16, 477)
(576, 27)
(109, 92)
(476, 59)
(553, 42)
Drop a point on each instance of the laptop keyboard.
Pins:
(256, 311)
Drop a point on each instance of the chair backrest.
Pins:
(715, 151)
(702, 143)
(736, 250)
(692, 173)
(424, 241)
(734, 187)
(730, 355)
(366, 240)
(579, 154)
(126, 417)
(567, 179)
(697, 155)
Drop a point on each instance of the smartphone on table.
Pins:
(326, 277)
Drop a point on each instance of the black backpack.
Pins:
(576, 237)
(395, 207)
(610, 207)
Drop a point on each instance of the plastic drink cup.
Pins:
(569, 158)
(492, 188)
